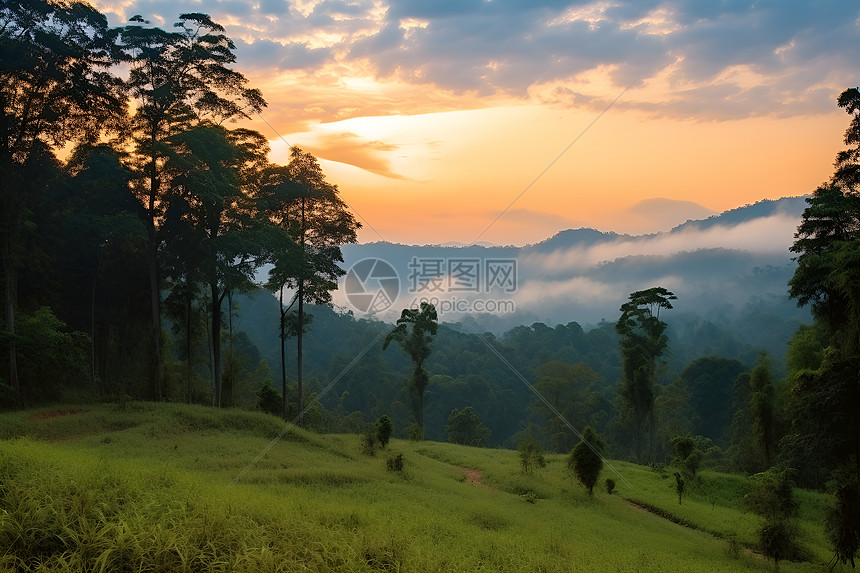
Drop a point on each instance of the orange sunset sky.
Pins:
(433, 117)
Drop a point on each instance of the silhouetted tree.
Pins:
(55, 88)
(180, 79)
(211, 172)
(643, 340)
(414, 332)
(299, 200)
(826, 400)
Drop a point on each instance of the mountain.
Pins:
(556, 300)
(716, 266)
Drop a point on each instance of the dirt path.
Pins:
(49, 414)
(472, 476)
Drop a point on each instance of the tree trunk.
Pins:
(283, 354)
(216, 344)
(154, 291)
(11, 303)
(301, 327)
(230, 379)
(299, 351)
(188, 362)
(155, 332)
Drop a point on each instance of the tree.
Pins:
(464, 427)
(531, 453)
(843, 519)
(414, 332)
(100, 243)
(761, 404)
(643, 340)
(571, 389)
(55, 88)
(772, 498)
(826, 400)
(210, 169)
(585, 460)
(688, 455)
(384, 429)
(709, 380)
(179, 80)
(299, 200)
(679, 486)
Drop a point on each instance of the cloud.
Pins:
(687, 58)
(355, 150)
(764, 236)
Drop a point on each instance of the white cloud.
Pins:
(770, 235)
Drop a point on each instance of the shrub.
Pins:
(268, 400)
(394, 462)
(415, 432)
(843, 518)
(464, 427)
(688, 455)
(610, 486)
(531, 454)
(368, 442)
(585, 460)
(772, 498)
(384, 429)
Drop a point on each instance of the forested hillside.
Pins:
(152, 251)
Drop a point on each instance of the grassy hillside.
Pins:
(148, 488)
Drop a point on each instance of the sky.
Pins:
(507, 121)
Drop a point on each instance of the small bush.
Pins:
(368, 442)
(531, 454)
(269, 401)
(384, 429)
(394, 462)
(415, 432)
(610, 486)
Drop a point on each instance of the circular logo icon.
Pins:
(371, 285)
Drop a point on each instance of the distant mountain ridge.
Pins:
(717, 266)
(793, 206)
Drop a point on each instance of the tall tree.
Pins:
(414, 332)
(826, 401)
(643, 340)
(55, 87)
(101, 221)
(179, 80)
(211, 170)
(300, 201)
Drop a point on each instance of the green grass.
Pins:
(148, 488)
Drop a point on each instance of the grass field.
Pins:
(150, 488)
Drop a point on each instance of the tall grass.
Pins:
(147, 489)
